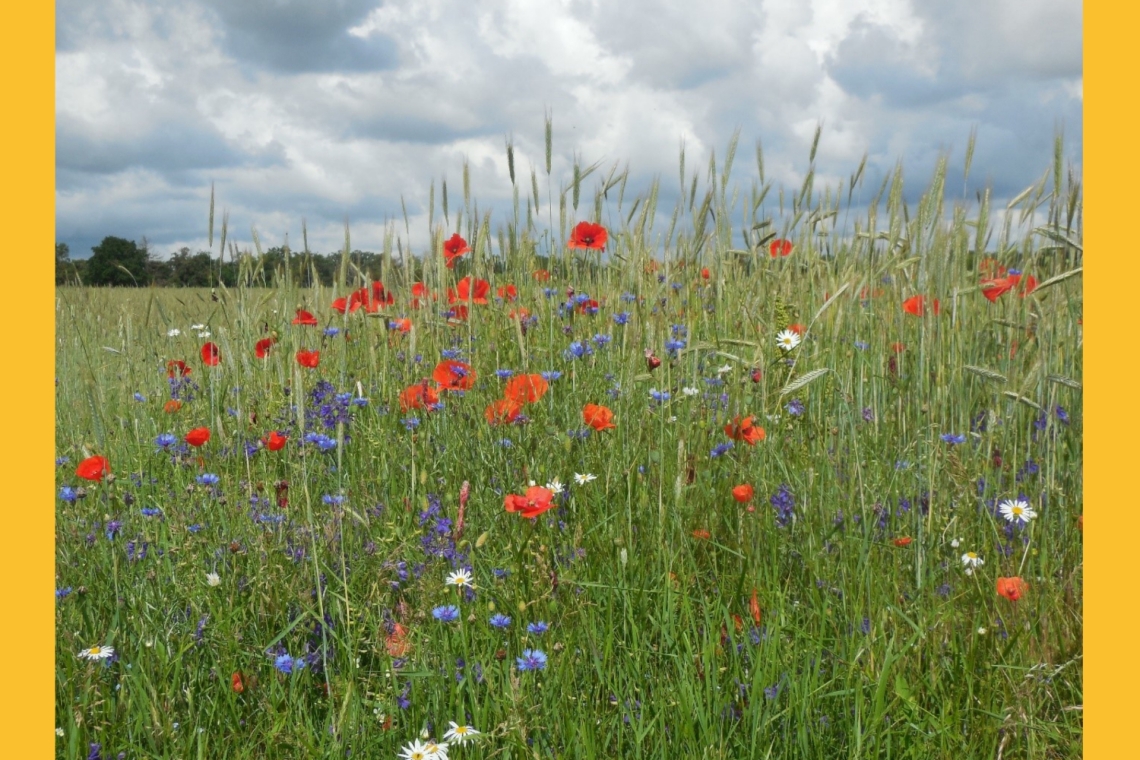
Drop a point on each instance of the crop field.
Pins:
(771, 473)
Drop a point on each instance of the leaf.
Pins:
(803, 380)
(988, 374)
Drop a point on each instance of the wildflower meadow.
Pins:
(767, 472)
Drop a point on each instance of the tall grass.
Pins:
(863, 648)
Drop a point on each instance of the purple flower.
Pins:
(537, 628)
(795, 408)
(284, 663)
(446, 613)
(499, 620)
(532, 660)
(953, 439)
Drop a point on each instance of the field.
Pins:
(820, 581)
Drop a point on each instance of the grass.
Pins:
(863, 648)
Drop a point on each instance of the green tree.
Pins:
(111, 257)
(62, 263)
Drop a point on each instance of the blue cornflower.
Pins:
(674, 345)
(150, 512)
(61, 461)
(68, 494)
(628, 297)
(61, 593)
(194, 528)
(549, 292)
(865, 626)
(331, 500)
(868, 414)
(795, 408)
(499, 572)
(721, 449)
(551, 376)
(601, 340)
(953, 439)
(532, 659)
(286, 664)
(621, 318)
(1062, 415)
(332, 332)
(505, 443)
(446, 613)
(772, 692)
(208, 479)
(411, 423)
(504, 374)
(139, 396)
(165, 439)
(113, 529)
(451, 353)
(499, 620)
(577, 350)
(360, 402)
(537, 628)
(659, 396)
(862, 345)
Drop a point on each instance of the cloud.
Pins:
(342, 108)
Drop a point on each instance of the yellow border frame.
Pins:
(27, 54)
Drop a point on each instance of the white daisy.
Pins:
(97, 653)
(724, 370)
(173, 332)
(955, 543)
(435, 751)
(460, 734)
(787, 340)
(213, 579)
(1015, 510)
(204, 334)
(971, 559)
(461, 579)
(690, 390)
(197, 327)
(417, 750)
(584, 478)
(555, 486)
(59, 732)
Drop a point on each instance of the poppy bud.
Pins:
(756, 375)
(235, 547)
(500, 654)
(236, 682)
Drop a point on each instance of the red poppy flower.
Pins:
(400, 325)
(470, 289)
(1027, 284)
(588, 307)
(744, 430)
(702, 534)
(743, 493)
(994, 289)
(866, 293)
(705, 273)
(380, 297)
(522, 314)
(916, 305)
(396, 642)
(198, 436)
(754, 607)
(177, 368)
(261, 349)
(897, 347)
(991, 268)
(1011, 588)
(304, 318)
(756, 375)
(588, 235)
(418, 396)
(308, 359)
(797, 328)
(453, 248)
(902, 541)
(458, 313)
(211, 356)
(536, 501)
(172, 406)
(420, 291)
(598, 417)
(93, 468)
(541, 275)
(508, 292)
(526, 389)
(236, 682)
(275, 441)
(454, 376)
(780, 247)
(502, 411)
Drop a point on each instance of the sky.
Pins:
(330, 110)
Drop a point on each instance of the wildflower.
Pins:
(213, 579)
(584, 478)
(744, 430)
(621, 318)
(556, 486)
(743, 493)
(721, 449)
(702, 534)
(550, 376)
(93, 468)
(588, 235)
(526, 389)
(97, 653)
(198, 436)
(598, 417)
(780, 247)
(172, 406)
(436, 751)
(419, 396)
(471, 290)
(1062, 415)
(537, 628)
(453, 248)
(417, 750)
(795, 408)
(173, 332)
(579, 349)
(304, 318)
(690, 391)
(460, 734)
(659, 396)
(211, 356)
(454, 376)
(902, 541)
(754, 606)
(150, 512)
(1011, 588)
(68, 494)
(285, 663)
(504, 410)
(536, 501)
(787, 340)
(499, 620)
(588, 306)
(275, 441)
(541, 275)
(309, 359)
(1016, 510)
(971, 560)
(446, 613)
(916, 305)
(461, 579)
(862, 345)
(532, 659)
(508, 293)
